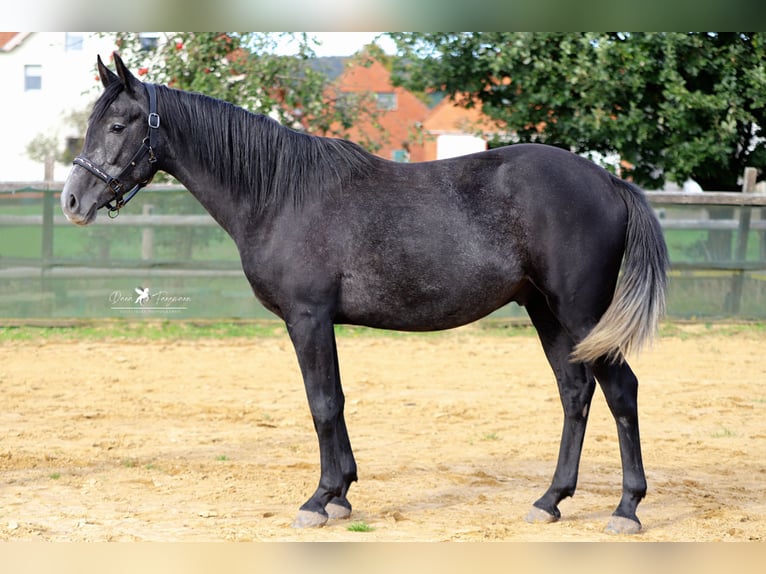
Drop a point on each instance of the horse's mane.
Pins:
(258, 160)
(252, 155)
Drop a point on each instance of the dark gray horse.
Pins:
(328, 234)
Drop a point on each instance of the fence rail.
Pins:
(744, 220)
(122, 220)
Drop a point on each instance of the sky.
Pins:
(346, 43)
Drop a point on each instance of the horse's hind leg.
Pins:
(576, 385)
(620, 388)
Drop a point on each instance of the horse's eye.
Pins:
(117, 128)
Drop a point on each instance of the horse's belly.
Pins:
(424, 303)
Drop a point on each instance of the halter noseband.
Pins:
(148, 145)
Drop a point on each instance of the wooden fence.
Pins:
(741, 225)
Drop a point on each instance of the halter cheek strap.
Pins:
(148, 146)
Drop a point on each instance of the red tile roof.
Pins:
(398, 124)
(450, 115)
(9, 40)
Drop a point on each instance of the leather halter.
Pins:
(148, 146)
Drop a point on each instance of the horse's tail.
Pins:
(632, 317)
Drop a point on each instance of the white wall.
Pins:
(69, 83)
(453, 145)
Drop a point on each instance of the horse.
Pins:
(329, 233)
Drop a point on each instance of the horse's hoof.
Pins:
(309, 519)
(337, 511)
(622, 525)
(539, 516)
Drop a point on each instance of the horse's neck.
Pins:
(198, 177)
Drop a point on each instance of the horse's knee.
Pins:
(326, 412)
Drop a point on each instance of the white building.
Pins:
(457, 130)
(45, 77)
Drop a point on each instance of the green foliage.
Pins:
(244, 69)
(43, 146)
(675, 105)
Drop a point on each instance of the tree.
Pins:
(674, 105)
(245, 69)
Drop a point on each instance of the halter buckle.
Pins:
(115, 185)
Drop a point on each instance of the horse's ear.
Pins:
(107, 76)
(128, 79)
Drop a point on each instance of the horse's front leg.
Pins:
(314, 341)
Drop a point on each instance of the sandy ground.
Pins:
(455, 436)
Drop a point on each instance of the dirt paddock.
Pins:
(455, 436)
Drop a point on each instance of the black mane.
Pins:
(253, 156)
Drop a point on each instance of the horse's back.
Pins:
(443, 243)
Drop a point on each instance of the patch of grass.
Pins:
(129, 462)
(506, 327)
(105, 329)
(222, 458)
(491, 436)
(14, 330)
(360, 526)
(54, 475)
(355, 331)
(725, 433)
(686, 330)
(672, 330)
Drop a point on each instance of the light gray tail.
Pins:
(632, 318)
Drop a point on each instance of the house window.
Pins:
(149, 43)
(401, 155)
(73, 42)
(33, 77)
(386, 101)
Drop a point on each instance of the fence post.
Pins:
(147, 236)
(48, 206)
(743, 233)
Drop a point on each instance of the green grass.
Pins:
(725, 433)
(12, 330)
(54, 475)
(222, 458)
(691, 294)
(98, 329)
(212, 243)
(71, 242)
(694, 330)
(360, 526)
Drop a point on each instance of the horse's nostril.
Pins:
(72, 201)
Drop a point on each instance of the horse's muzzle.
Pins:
(74, 210)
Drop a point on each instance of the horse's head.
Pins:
(118, 157)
